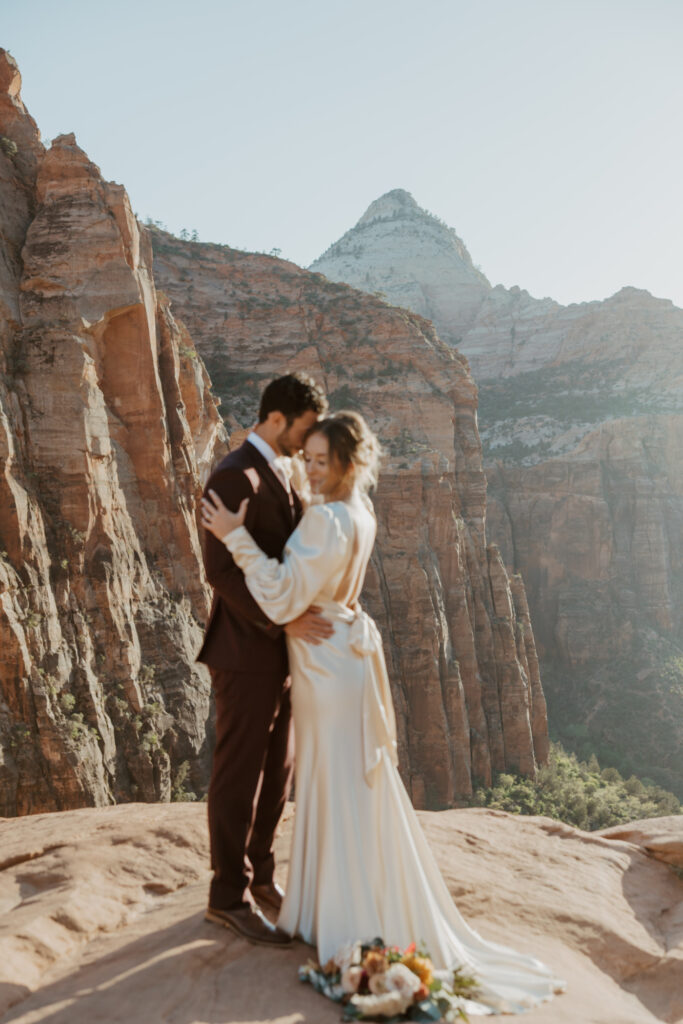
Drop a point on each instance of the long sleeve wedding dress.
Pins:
(360, 866)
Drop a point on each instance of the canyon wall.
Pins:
(581, 420)
(106, 425)
(456, 628)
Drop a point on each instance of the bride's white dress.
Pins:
(360, 865)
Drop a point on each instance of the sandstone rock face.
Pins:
(106, 422)
(598, 533)
(581, 420)
(661, 838)
(102, 915)
(458, 639)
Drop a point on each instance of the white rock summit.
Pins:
(418, 262)
(415, 259)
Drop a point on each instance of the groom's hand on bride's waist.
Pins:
(311, 626)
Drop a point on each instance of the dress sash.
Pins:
(378, 717)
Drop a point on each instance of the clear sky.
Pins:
(546, 132)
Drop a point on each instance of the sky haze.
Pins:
(547, 134)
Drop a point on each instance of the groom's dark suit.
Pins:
(247, 658)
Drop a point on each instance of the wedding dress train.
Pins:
(360, 865)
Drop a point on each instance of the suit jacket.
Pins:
(239, 636)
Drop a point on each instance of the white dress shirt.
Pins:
(278, 463)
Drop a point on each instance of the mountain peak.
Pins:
(397, 203)
(413, 258)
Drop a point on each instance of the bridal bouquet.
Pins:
(377, 982)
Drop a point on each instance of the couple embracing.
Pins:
(287, 639)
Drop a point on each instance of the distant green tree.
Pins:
(578, 793)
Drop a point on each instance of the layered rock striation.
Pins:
(458, 639)
(581, 420)
(106, 425)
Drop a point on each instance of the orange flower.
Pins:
(420, 965)
(375, 962)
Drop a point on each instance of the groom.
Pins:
(247, 658)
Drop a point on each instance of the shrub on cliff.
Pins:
(8, 146)
(578, 793)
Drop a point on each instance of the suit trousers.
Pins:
(251, 778)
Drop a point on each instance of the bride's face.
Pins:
(324, 474)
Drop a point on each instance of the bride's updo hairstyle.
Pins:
(352, 443)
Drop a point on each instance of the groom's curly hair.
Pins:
(292, 395)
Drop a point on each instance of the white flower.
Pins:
(386, 1003)
(350, 979)
(400, 978)
(378, 983)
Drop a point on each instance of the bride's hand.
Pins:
(218, 519)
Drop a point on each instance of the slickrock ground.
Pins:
(102, 919)
(106, 425)
(662, 838)
(580, 414)
(456, 629)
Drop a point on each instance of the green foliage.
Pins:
(8, 146)
(146, 675)
(578, 793)
(464, 984)
(68, 702)
(179, 793)
(150, 742)
(20, 734)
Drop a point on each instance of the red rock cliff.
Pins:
(106, 422)
(459, 644)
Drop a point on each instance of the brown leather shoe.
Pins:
(271, 895)
(248, 922)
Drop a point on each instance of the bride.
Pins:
(360, 865)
